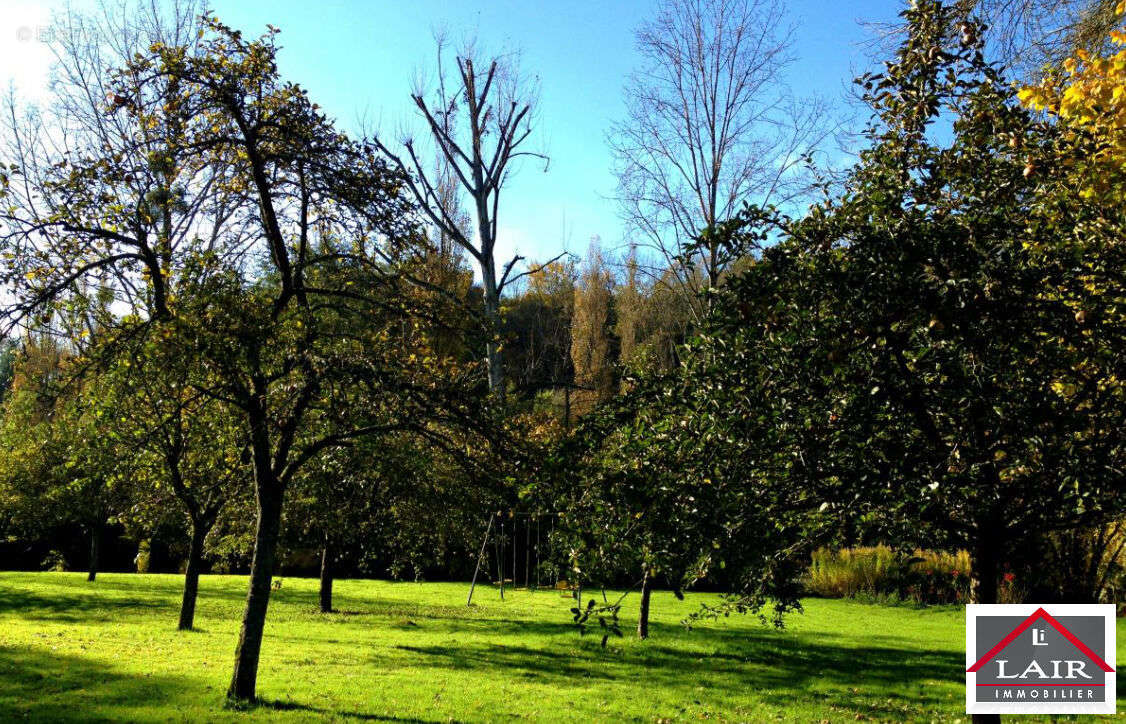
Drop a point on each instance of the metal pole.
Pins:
(551, 545)
(480, 555)
(500, 558)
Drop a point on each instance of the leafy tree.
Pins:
(287, 375)
(335, 508)
(370, 506)
(442, 274)
(934, 355)
(59, 466)
(1085, 95)
(939, 348)
(655, 485)
(594, 348)
(537, 327)
(290, 306)
(628, 303)
(187, 443)
(653, 319)
(8, 351)
(31, 456)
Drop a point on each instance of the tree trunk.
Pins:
(985, 572)
(95, 549)
(326, 578)
(245, 677)
(643, 613)
(492, 316)
(191, 578)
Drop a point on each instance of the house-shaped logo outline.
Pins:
(1037, 615)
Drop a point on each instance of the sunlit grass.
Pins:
(70, 650)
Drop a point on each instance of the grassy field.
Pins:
(70, 650)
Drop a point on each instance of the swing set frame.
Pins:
(500, 539)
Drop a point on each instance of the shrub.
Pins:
(144, 555)
(54, 561)
(884, 575)
(1085, 565)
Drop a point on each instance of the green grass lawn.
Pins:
(71, 650)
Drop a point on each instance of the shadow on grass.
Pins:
(65, 598)
(881, 675)
(37, 685)
(785, 670)
(70, 607)
(68, 597)
(171, 586)
(278, 705)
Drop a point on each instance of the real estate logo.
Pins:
(1029, 659)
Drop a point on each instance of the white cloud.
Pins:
(25, 57)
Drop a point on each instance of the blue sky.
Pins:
(358, 58)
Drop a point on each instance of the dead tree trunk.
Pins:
(494, 112)
(492, 316)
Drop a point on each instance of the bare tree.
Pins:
(480, 119)
(168, 208)
(1027, 35)
(710, 123)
